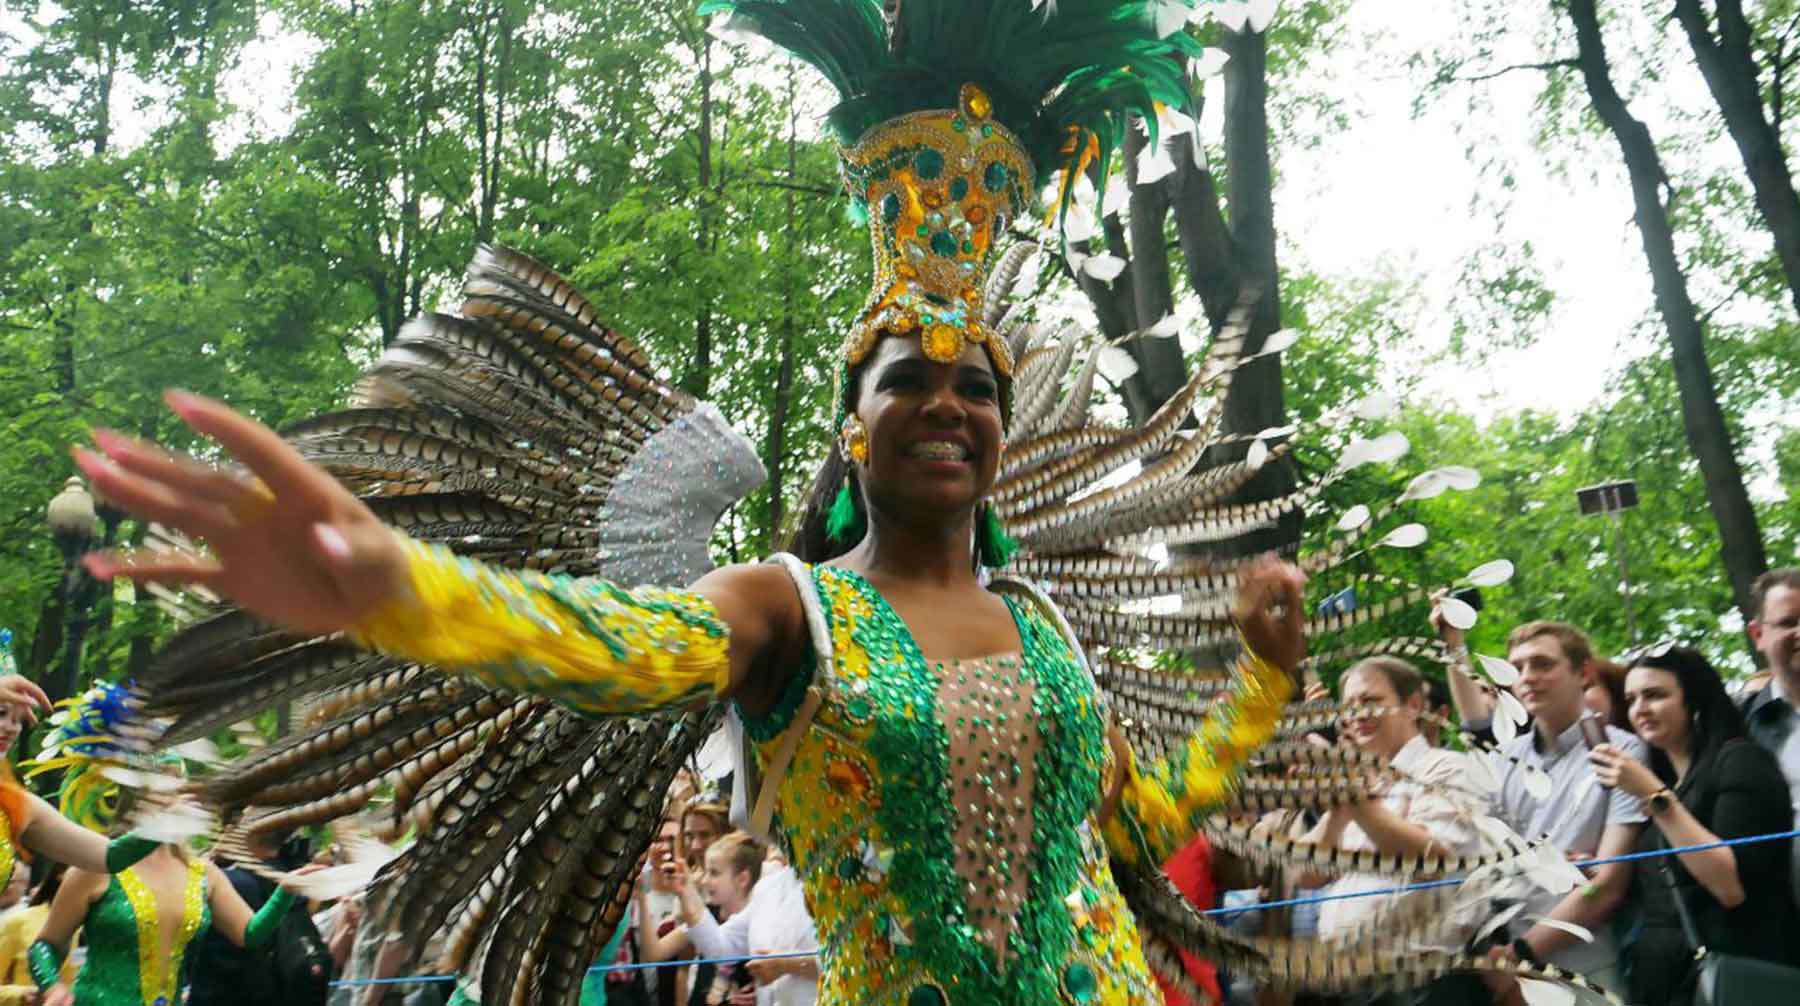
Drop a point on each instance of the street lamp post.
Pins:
(74, 524)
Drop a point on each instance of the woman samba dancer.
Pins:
(934, 755)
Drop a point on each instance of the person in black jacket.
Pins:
(219, 974)
(1705, 782)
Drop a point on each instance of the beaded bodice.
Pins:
(126, 965)
(940, 817)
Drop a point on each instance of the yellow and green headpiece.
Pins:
(952, 115)
(87, 744)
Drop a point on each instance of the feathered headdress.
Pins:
(88, 747)
(952, 115)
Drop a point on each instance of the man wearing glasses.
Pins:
(1772, 713)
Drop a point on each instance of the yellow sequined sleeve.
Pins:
(591, 645)
(1160, 807)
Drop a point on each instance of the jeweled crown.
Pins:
(940, 187)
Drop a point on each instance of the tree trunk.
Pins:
(699, 375)
(784, 374)
(1740, 540)
(1729, 66)
(1161, 370)
(1255, 400)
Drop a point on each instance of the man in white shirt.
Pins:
(1428, 814)
(1547, 787)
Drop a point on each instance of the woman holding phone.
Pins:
(1705, 783)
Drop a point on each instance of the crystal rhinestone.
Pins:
(1080, 982)
(928, 165)
(995, 177)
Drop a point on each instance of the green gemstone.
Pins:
(922, 230)
(987, 130)
(942, 244)
(959, 188)
(995, 176)
(968, 247)
(849, 867)
(928, 164)
(926, 995)
(1080, 982)
(890, 208)
(859, 708)
(958, 125)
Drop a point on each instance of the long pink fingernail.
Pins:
(183, 402)
(332, 541)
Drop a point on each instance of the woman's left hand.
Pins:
(1615, 768)
(1269, 610)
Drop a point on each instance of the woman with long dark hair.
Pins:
(1706, 782)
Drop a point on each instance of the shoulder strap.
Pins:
(762, 812)
(1013, 584)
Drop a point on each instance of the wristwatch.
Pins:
(1659, 801)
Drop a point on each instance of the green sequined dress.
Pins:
(942, 818)
(125, 966)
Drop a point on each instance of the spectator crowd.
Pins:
(1603, 758)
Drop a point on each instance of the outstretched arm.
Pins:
(50, 834)
(1161, 805)
(290, 544)
(231, 914)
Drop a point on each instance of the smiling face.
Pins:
(1659, 711)
(12, 723)
(934, 430)
(1383, 733)
(1550, 687)
(721, 885)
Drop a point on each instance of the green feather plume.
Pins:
(1083, 64)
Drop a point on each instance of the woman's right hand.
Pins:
(286, 541)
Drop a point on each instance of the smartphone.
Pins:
(1593, 731)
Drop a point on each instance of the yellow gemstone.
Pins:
(977, 102)
(942, 343)
(934, 199)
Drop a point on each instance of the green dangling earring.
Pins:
(992, 543)
(843, 524)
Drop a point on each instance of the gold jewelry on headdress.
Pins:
(854, 439)
(941, 187)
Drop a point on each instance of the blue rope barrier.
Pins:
(1426, 885)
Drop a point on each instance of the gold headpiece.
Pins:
(941, 187)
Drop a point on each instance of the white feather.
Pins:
(1167, 327)
(1155, 164)
(333, 881)
(1490, 574)
(1118, 193)
(1405, 536)
(1424, 486)
(1510, 707)
(1232, 14)
(1171, 17)
(1500, 919)
(1504, 731)
(1541, 993)
(1257, 454)
(1104, 268)
(1353, 518)
(155, 782)
(1117, 365)
(1458, 613)
(1209, 63)
(1498, 671)
(199, 749)
(1462, 477)
(1363, 451)
(1279, 342)
(175, 823)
